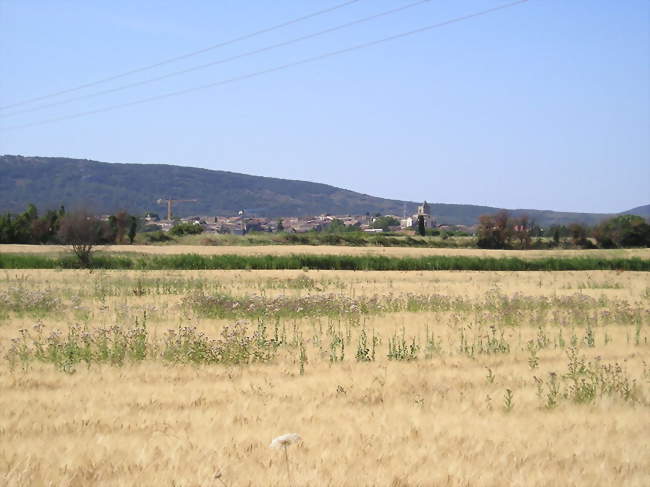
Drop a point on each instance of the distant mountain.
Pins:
(49, 182)
(643, 211)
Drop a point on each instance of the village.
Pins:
(245, 222)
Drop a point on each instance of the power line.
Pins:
(276, 68)
(183, 56)
(223, 60)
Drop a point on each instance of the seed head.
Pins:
(285, 440)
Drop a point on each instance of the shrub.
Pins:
(157, 236)
(623, 231)
(186, 229)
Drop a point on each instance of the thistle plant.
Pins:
(533, 359)
(590, 339)
(553, 394)
(399, 349)
(365, 350)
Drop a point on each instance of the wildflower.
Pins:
(285, 440)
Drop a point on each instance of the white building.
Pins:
(424, 210)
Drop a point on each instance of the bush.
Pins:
(158, 236)
(82, 231)
(623, 231)
(186, 229)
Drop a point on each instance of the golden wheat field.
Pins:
(328, 250)
(183, 378)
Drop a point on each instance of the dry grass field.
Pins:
(183, 378)
(328, 250)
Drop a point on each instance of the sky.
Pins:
(543, 105)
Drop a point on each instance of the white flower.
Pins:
(285, 440)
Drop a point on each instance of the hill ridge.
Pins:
(106, 187)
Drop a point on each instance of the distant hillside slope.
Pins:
(103, 187)
(643, 211)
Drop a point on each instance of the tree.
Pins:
(623, 231)
(119, 224)
(495, 231)
(338, 226)
(521, 230)
(280, 225)
(133, 227)
(422, 231)
(578, 235)
(556, 236)
(23, 225)
(7, 230)
(385, 222)
(186, 229)
(82, 232)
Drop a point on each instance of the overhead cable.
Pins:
(281, 67)
(183, 56)
(220, 61)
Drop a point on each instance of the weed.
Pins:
(553, 392)
(490, 376)
(432, 346)
(399, 349)
(337, 347)
(533, 359)
(365, 351)
(590, 339)
(589, 380)
(302, 357)
(508, 400)
(331, 262)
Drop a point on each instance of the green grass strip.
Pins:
(326, 262)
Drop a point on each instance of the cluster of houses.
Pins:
(242, 223)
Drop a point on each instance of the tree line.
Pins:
(59, 227)
(503, 231)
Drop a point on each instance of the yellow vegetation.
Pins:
(441, 419)
(331, 250)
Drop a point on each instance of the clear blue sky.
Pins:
(544, 105)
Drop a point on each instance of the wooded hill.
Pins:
(49, 182)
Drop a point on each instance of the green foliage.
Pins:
(58, 227)
(133, 226)
(117, 345)
(623, 231)
(366, 350)
(157, 236)
(329, 262)
(28, 228)
(401, 349)
(337, 226)
(22, 299)
(421, 227)
(589, 380)
(186, 229)
(385, 222)
(584, 382)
